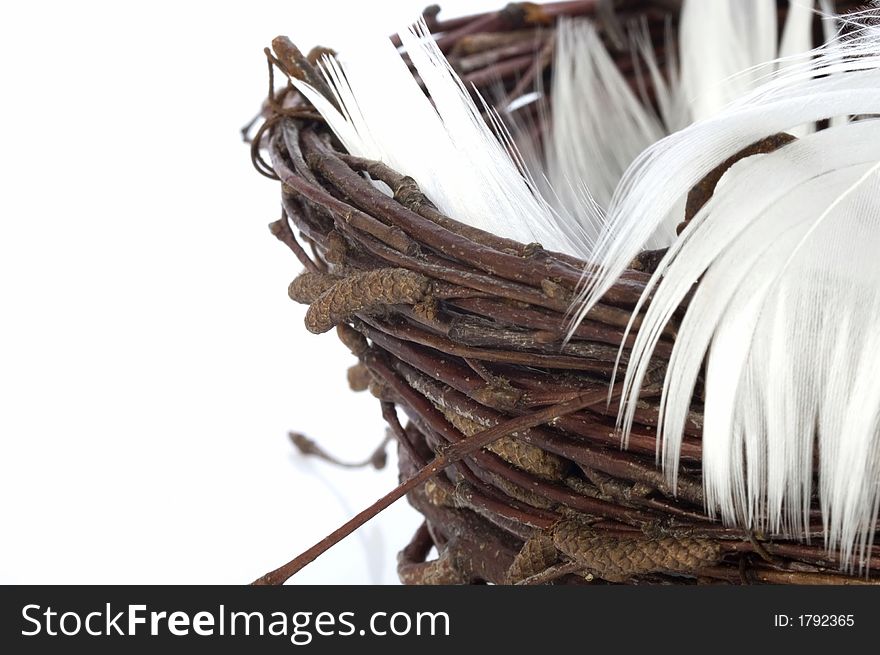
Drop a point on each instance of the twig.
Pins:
(453, 454)
(307, 446)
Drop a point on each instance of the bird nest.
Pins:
(509, 450)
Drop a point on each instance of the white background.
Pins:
(150, 361)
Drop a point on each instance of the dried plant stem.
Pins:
(452, 454)
(308, 447)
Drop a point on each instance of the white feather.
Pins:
(719, 40)
(671, 100)
(598, 125)
(796, 43)
(475, 174)
(841, 80)
(797, 35)
(789, 289)
(439, 139)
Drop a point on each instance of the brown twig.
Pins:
(453, 454)
(308, 447)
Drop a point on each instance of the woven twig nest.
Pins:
(464, 332)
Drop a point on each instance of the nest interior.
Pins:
(522, 474)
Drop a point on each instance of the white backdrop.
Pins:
(150, 361)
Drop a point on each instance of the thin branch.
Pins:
(452, 454)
